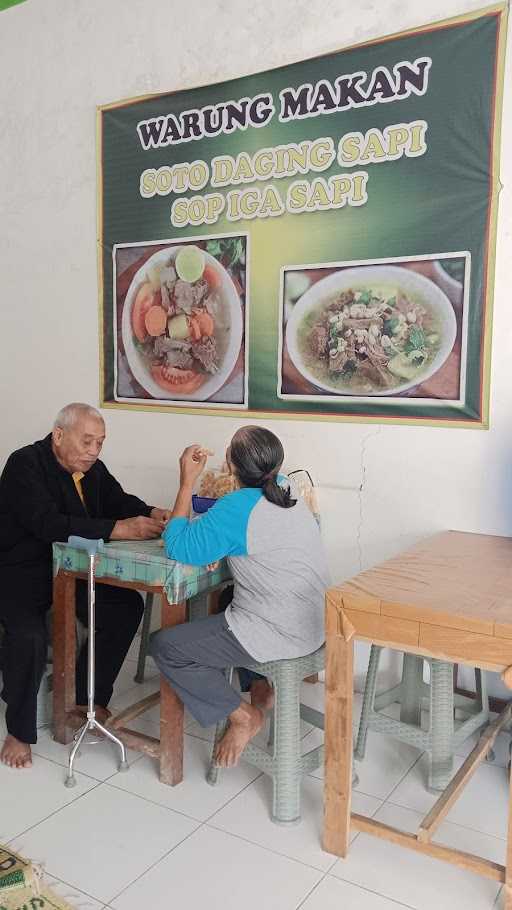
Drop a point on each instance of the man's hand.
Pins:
(140, 528)
(161, 514)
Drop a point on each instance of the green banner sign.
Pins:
(314, 241)
(5, 4)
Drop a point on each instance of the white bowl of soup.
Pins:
(371, 331)
(185, 347)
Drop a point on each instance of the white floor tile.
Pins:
(149, 721)
(212, 869)
(74, 897)
(127, 844)
(313, 695)
(105, 840)
(386, 762)
(125, 679)
(98, 760)
(134, 693)
(419, 881)
(333, 894)
(30, 795)
(248, 815)
(501, 749)
(483, 804)
(194, 796)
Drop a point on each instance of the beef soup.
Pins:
(180, 320)
(369, 339)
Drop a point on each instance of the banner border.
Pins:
(480, 420)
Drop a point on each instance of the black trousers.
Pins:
(118, 614)
(23, 615)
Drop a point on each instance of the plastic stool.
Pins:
(445, 733)
(286, 765)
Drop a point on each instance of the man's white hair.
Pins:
(69, 414)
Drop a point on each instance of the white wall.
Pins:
(58, 60)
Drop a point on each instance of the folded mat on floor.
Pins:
(22, 885)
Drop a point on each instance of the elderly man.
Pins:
(49, 490)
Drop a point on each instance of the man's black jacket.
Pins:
(39, 504)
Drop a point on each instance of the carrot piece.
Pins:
(194, 328)
(212, 276)
(206, 323)
(156, 321)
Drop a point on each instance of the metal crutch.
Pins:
(91, 547)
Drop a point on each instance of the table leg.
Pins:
(338, 734)
(171, 710)
(144, 638)
(64, 647)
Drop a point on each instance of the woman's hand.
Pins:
(192, 463)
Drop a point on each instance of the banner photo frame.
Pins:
(312, 242)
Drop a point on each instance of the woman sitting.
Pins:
(280, 574)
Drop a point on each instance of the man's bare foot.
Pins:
(243, 724)
(262, 694)
(16, 754)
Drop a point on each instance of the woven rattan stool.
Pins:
(445, 731)
(285, 764)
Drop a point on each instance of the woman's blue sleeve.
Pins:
(222, 531)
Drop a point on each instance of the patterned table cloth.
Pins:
(145, 562)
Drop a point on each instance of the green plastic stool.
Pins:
(445, 732)
(285, 764)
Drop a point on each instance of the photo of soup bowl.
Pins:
(393, 280)
(228, 329)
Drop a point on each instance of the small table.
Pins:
(449, 598)
(141, 565)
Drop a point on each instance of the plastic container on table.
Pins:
(215, 483)
(201, 504)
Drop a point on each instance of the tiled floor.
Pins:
(126, 842)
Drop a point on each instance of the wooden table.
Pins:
(141, 565)
(449, 598)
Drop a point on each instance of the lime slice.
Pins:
(297, 284)
(190, 263)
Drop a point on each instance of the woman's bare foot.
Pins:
(262, 694)
(244, 723)
(16, 754)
